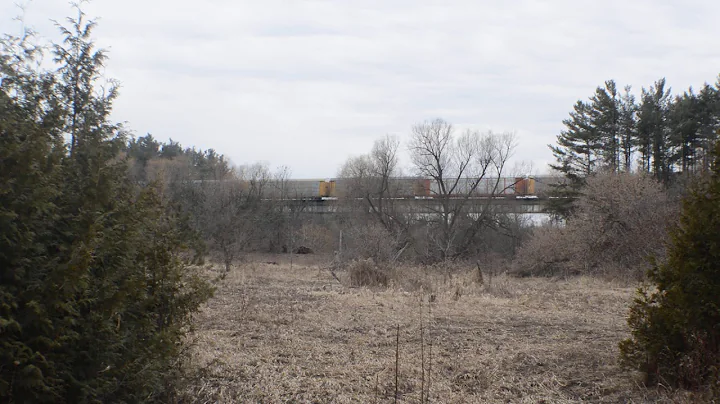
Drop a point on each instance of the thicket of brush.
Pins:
(366, 272)
(617, 222)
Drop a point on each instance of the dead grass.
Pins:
(366, 273)
(277, 335)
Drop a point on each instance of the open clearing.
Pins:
(274, 334)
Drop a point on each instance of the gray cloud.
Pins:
(307, 83)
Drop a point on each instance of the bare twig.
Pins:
(422, 356)
(429, 371)
(334, 276)
(397, 361)
(399, 253)
(480, 275)
(377, 379)
(332, 272)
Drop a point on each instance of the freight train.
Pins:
(407, 188)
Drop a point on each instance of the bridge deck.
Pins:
(506, 204)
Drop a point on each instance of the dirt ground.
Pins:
(273, 334)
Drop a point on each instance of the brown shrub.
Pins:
(547, 253)
(303, 250)
(367, 273)
(620, 220)
(318, 237)
(369, 240)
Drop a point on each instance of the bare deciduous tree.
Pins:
(372, 186)
(223, 218)
(461, 168)
(236, 214)
(370, 178)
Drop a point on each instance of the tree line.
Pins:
(240, 209)
(658, 134)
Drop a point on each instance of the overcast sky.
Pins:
(308, 83)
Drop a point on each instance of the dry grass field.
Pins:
(277, 335)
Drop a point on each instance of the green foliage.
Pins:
(654, 132)
(596, 137)
(675, 322)
(578, 147)
(576, 154)
(628, 129)
(605, 114)
(95, 289)
(669, 135)
(200, 164)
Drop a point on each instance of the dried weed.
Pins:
(272, 334)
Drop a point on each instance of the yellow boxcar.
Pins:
(524, 186)
(326, 189)
(530, 188)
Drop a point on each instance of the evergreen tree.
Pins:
(144, 149)
(675, 320)
(171, 150)
(95, 289)
(708, 117)
(628, 129)
(605, 123)
(578, 148)
(577, 155)
(31, 150)
(685, 131)
(653, 131)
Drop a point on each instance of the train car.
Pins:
(409, 187)
(301, 189)
(485, 187)
(544, 184)
(524, 186)
(402, 187)
(422, 188)
(345, 188)
(327, 189)
(294, 189)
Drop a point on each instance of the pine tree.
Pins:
(708, 117)
(605, 122)
(653, 131)
(675, 320)
(578, 147)
(685, 131)
(628, 129)
(577, 155)
(171, 150)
